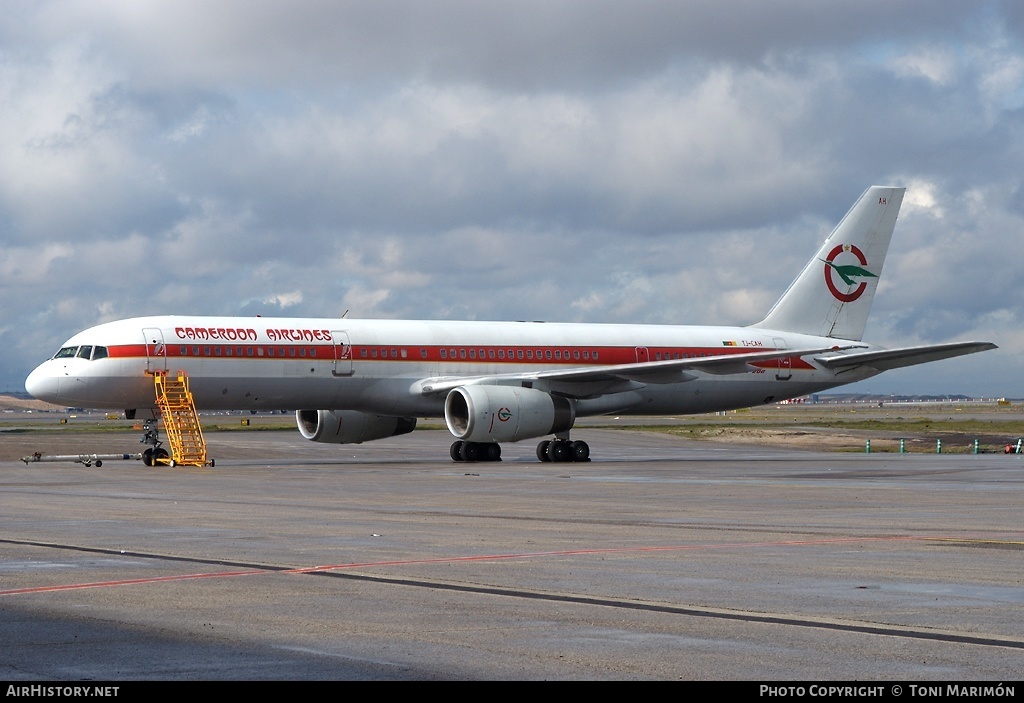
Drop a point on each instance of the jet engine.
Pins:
(505, 413)
(350, 426)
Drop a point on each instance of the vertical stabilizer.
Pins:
(832, 296)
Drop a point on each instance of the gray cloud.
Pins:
(593, 161)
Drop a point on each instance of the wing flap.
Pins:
(886, 359)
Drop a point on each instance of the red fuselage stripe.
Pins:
(490, 354)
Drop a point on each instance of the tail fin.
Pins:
(832, 296)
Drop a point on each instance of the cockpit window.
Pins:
(84, 352)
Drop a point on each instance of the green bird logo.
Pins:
(848, 271)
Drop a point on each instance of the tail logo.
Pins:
(847, 272)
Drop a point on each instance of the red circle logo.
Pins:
(846, 273)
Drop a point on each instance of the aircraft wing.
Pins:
(887, 359)
(621, 377)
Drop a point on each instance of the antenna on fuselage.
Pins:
(344, 314)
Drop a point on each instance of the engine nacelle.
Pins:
(350, 426)
(505, 413)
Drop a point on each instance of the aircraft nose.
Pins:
(42, 384)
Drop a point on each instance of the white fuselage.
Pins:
(380, 366)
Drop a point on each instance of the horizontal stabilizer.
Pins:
(887, 359)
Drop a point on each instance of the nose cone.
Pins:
(44, 384)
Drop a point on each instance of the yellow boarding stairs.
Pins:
(181, 421)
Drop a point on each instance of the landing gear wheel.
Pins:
(492, 452)
(580, 451)
(455, 451)
(147, 457)
(160, 454)
(470, 451)
(542, 450)
(559, 450)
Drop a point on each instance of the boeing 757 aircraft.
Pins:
(360, 380)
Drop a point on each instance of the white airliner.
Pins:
(360, 380)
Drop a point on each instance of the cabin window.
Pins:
(472, 353)
(444, 353)
(182, 351)
(228, 351)
(529, 354)
(84, 352)
(462, 353)
(519, 354)
(547, 354)
(501, 354)
(270, 351)
(558, 354)
(216, 351)
(362, 352)
(66, 352)
(259, 351)
(490, 353)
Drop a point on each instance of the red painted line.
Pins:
(481, 557)
(126, 582)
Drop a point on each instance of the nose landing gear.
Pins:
(151, 436)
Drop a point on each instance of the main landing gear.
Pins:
(475, 451)
(563, 450)
(548, 450)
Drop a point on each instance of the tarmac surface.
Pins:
(661, 559)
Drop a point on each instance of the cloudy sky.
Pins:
(564, 160)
